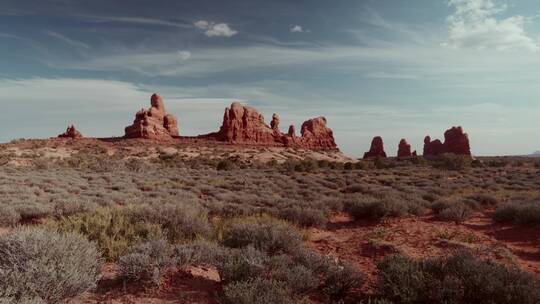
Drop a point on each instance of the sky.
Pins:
(396, 69)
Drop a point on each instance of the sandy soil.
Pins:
(364, 243)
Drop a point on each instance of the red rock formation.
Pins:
(431, 148)
(377, 148)
(245, 125)
(274, 124)
(292, 131)
(71, 132)
(455, 141)
(316, 135)
(404, 149)
(153, 123)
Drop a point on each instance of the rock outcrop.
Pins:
(316, 135)
(71, 132)
(377, 148)
(153, 123)
(404, 149)
(455, 141)
(245, 125)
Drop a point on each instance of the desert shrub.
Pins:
(242, 264)
(339, 279)
(460, 278)
(381, 163)
(485, 199)
(179, 222)
(8, 216)
(198, 253)
(63, 208)
(33, 210)
(265, 234)
(348, 166)
(457, 212)
(146, 262)
(453, 162)
(299, 278)
(46, 265)
(304, 217)
(258, 290)
(527, 213)
(225, 165)
(113, 229)
(373, 208)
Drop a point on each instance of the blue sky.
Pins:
(385, 67)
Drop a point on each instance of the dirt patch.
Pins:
(364, 243)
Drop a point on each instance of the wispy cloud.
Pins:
(67, 40)
(212, 29)
(295, 28)
(474, 24)
(138, 20)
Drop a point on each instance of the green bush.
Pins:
(299, 278)
(146, 262)
(458, 212)
(198, 253)
(38, 264)
(225, 165)
(242, 264)
(452, 162)
(373, 208)
(460, 278)
(259, 290)
(526, 213)
(304, 217)
(113, 229)
(339, 279)
(268, 235)
(179, 222)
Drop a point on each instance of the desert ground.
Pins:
(208, 223)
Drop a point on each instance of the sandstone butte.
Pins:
(71, 132)
(153, 123)
(404, 149)
(242, 125)
(455, 141)
(377, 148)
(245, 125)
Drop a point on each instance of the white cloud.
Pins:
(212, 29)
(295, 28)
(184, 55)
(474, 25)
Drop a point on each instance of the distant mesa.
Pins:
(404, 149)
(377, 148)
(153, 123)
(246, 126)
(71, 132)
(242, 125)
(455, 141)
